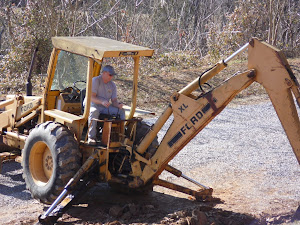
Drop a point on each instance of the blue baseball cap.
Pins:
(109, 69)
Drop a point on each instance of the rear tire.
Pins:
(142, 130)
(51, 157)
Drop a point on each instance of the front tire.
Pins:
(51, 157)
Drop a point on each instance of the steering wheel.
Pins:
(73, 92)
(76, 92)
(67, 90)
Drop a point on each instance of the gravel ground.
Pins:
(243, 154)
(16, 203)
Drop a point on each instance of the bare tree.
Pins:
(202, 26)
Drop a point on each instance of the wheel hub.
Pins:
(41, 163)
(47, 163)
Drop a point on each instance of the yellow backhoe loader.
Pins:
(51, 131)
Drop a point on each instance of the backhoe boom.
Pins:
(266, 65)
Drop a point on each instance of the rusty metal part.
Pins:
(200, 195)
(210, 100)
(178, 173)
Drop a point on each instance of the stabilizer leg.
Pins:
(200, 195)
(70, 192)
(204, 194)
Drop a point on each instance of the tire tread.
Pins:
(67, 154)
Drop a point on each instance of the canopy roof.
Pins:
(99, 47)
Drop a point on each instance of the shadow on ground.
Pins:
(101, 205)
(12, 183)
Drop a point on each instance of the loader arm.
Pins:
(266, 65)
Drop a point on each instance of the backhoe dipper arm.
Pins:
(266, 65)
(274, 73)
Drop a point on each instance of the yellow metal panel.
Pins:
(5, 119)
(88, 89)
(51, 99)
(28, 107)
(62, 116)
(134, 88)
(6, 102)
(15, 140)
(99, 47)
(48, 101)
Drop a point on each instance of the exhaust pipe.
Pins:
(28, 84)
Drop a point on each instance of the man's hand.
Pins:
(120, 105)
(117, 104)
(105, 103)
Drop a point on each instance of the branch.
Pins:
(137, 3)
(94, 4)
(191, 40)
(10, 29)
(109, 13)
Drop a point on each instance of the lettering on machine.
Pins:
(192, 121)
(25, 108)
